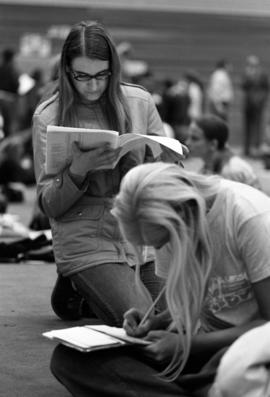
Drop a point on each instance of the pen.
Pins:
(148, 312)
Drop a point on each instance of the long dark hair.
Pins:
(90, 39)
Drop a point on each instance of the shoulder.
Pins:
(245, 199)
(240, 170)
(236, 162)
(47, 109)
(135, 91)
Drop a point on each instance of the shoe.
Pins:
(66, 301)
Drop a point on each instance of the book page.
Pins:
(60, 139)
(118, 333)
(170, 143)
(83, 338)
(157, 144)
(130, 141)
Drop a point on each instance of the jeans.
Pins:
(123, 372)
(110, 290)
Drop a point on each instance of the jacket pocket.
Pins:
(78, 230)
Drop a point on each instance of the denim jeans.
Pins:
(122, 372)
(110, 289)
(113, 372)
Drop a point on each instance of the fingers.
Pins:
(107, 157)
(131, 324)
(102, 157)
(132, 319)
(155, 335)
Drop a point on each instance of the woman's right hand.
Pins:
(132, 320)
(131, 324)
(90, 160)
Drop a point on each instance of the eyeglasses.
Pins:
(80, 76)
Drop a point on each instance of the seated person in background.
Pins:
(211, 239)
(208, 140)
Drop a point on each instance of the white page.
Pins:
(82, 337)
(170, 143)
(118, 333)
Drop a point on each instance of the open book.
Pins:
(93, 337)
(59, 144)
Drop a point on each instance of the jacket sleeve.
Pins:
(155, 125)
(147, 121)
(55, 194)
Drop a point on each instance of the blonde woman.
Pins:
(211, 238)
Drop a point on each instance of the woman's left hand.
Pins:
(163, 346)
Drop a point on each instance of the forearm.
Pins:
(58, 194)
(214, 341)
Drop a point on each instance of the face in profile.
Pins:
(90, 77)
(198, 145)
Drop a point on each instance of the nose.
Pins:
(93, 84)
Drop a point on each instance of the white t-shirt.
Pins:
(239, 224)
(220, 87)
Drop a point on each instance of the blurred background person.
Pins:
(9, 85)
(177, 102)
(196, 94)
(255, 87)
(220, 90)
(208, 140)
(131, 69)
(29, 98)
(157, 89)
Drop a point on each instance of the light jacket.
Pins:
(84, 231)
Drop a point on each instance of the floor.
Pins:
(25, 313)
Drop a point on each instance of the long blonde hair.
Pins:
(168, 196)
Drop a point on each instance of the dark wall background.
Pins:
(170, 42)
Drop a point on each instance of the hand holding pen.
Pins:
(139, 324)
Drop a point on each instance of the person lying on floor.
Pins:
(211, 238)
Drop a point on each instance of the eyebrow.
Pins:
(101, 71)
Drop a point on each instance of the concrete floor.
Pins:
(25, 313)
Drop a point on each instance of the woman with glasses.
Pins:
(93, 259)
